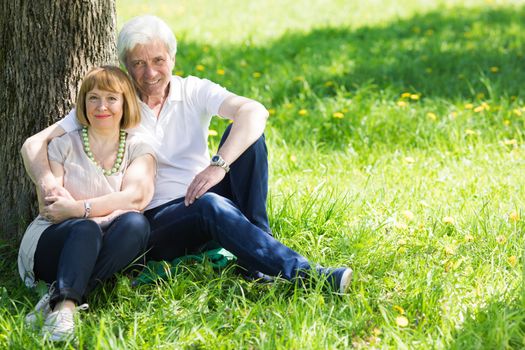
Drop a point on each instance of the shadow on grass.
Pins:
(446, 54)
(450, 56)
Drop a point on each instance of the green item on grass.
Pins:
(219, 258)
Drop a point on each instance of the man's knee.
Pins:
(212, 204)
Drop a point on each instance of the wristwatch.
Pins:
(217, 160)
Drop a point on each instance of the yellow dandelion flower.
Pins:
(271, 111)
(453, 115)
(179, 73)
(449, 220)
(410, 160)
(401, 226)
(512, 260)
(256, 75)
(200, 67)
(510, 142)
(402, 103)
(408, 215)
(399, 309)
(506, 122)
(449, 265)
(431, 116)
(293, 158)
(479, 109)
(376, 331)
(220, 71)
(402, 321)
(469, 238)
(450, 250)
(329, 83)
(480, 95)
(406, 94)
(338, 115)
(212, 132)
(517, 111)
(514, 216)
(414, 97)
(494, 69)
(288, 105)
(501, 239)
(344, 110)
(469, 106)
(303, 111)
(470, 132)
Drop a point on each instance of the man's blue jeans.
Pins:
(233, 214)
(177, 230)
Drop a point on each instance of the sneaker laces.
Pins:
(41, 309)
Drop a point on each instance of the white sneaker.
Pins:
(338, 279)
(60, 324)
(346, 280)
(41, 310)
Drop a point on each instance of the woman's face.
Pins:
(104, 108)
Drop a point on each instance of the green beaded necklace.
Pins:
(120, 152)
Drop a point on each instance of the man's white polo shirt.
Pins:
(179, 135)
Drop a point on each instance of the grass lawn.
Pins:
(396, 142)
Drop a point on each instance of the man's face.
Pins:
(150, 66)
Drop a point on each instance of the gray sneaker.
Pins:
(60, 325)
(41, 310)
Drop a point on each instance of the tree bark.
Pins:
(46, 47)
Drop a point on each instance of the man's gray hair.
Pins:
(143, 30)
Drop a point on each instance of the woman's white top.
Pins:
(83, 179)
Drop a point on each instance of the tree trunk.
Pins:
(46, 47)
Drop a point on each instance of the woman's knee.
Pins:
(133, 225)
(85, 229)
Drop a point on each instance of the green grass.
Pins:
(421, 195)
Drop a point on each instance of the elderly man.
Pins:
(196, 200)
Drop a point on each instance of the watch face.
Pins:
(215, 158)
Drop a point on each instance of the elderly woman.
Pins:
(94, 228)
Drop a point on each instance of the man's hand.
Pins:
(50, 190)
(202, 182)
(62, 208)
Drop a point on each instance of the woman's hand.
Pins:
(61, 208)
